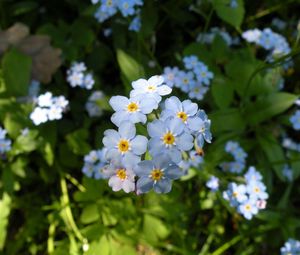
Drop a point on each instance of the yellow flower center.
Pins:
(151, 88)
(248, 207)
(185, 81)
(182, 115)
(169, 138)
(121, 173)
(256, 189)
(132, 107)
(109, 3)
(203, 74)
(235, 194)
(156, 174)
(123, 145)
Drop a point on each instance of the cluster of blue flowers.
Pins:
(176, 128)
(250, 197)
(295, 120)
(273, 42)
(290, 144)
(108, 8)
(92, 106)
(195, 80)
(291, 247)
(77, 75)
(48, 108)
(209, 37)
(94, 164)
(5, 143)
(239, 155)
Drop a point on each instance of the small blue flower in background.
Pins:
(170, 75)
(248, 208)
(135, 24)
(233, 4)
(252, 35)
(182, 110)
(152, 88)
(209, 37)
(5, 144)
(77, 76)
(295, 120)
(126, 7)
(250, 198)
(157, 174)
(91, 105)
(213, 183)
(109, 7)
(198, 92)
(291, 247)
(94, 164)
(133, 109)
(287, 172)
(195, 159)
(124, 143)
(121, 175)
(48, 107)
(185, 81)
(203, 75)
(191, 62)
(288, 143)
(169, 137)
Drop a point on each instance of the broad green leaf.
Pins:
(90, 214)
(227, 120)
(222, 91)
(268, 106)
(5, 207)
(16, 72)
(154, 229)
(130, 68)
(233, 16)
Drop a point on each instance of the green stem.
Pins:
(76, 183)
(51, 234)
(227, 245)
(207, 244)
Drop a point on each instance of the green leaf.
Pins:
(90, 214)
(26, 143)
(269, 106)
(77, 142)
(130, 68)
(233, 16)
(16, 72)
(222, 91)
(227, 120)
(5, 207)
(154, 229)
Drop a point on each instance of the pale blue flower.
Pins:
(95, 164)
(295, 120)
(135, 24)
(121, 175)
(191, 62)
(109, 7)
(170, 74)
(153, 88)
(291, 247)
(182, 110)
(91, 105)
(133, 109)
(203, 75)
(169, 137)
(88, 81)
(198, 92)
(236, 194)
(157, 174)
(252, 35)
(195, 159)
(248, 208)
(257, 190)
(124, 143)
(287, 172)
(126, 7)
(252, 175)
(185, 81)
(213, 183)
(39, 115)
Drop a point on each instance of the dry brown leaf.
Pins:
(45, 59)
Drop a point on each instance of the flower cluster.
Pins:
(151, 160)
(92, 106)
(94, 164)
(108, 8)
(290, 144)
(291, 247)
(48, 108)
(295, 120)
(194, 80)
(239, 155)
(5, 144)
(271, 41)
(209, 37)
(247, 198)
(77, 75)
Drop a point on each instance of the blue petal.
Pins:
(139, 144)
(119, 117)
(189, 107)
(173, 172)
(156, 146)
(175, 155)
(173, 104)
(185, 142)
(162, 161)
(137, 117)
(175, 125)
(144, 184)
(130, 158)
(111, 138)
(144, 168)
(156, 128)
(127, 130)
(163, 186)
(118, 103)
(195, 123)
(148, 104)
